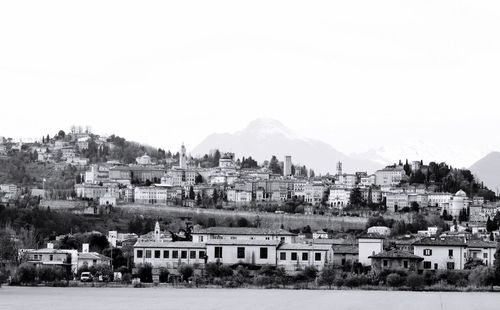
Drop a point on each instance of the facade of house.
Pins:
(345, 254)
(369, 246)
(249, 251)
(297, 256)
(395, 259)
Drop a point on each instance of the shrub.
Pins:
(26, 274)
(186, 271)
(415, 281)
(262, 280)
(164, 275)
(327, 276)
(51, 273)
(395, 280)
(145, 272)
(482, 276)
(127, 278)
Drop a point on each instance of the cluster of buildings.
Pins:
(71, 260)
(278, 247)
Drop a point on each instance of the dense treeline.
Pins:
(449, 179)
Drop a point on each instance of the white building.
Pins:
(297, 256)
(369, 246)
(381, 230)
(339, 198)
(389, 176)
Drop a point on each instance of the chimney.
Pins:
(50, 245)
(85, 248)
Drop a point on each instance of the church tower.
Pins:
(182, 157)
(157, 232)
(339, 168)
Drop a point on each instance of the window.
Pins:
(201, 254)
(240, 252)
(485, 255)
(294, 255)
(427, 265)
(385, 263)
(427, 252)
(157, 253)
(139, 253)
(405, 264)
(166, 254)
(175, 254)
(184, 254)
(435, 266)
(317, 256)
(450, 253)
(192, 254)
(450, 265)
(263, 253)
(218, 252)
(148, 253)
(305, 256)
(283, 256)
(282, 239)
(233, 238)
(268, 238)
(201, 238)
(51, 257)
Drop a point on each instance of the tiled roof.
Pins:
(481, 244)
(441, 242)
(345, 249)
(93, 255)
(243, 231)
(242, 242)
(396, 254)
(172, 245)
(305, 247)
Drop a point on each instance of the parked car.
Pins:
(86, 277)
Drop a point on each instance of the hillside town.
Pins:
(416, 218)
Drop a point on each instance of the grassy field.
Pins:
(270, 220)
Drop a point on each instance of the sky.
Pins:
(355, 74)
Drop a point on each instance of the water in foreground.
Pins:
(241, 299)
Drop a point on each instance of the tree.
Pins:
(186, 271)
(192, 195)
(356, 198)
(198, 179)
(415, 281)
(395, 280)
(274, 165)
(26, 274)
(61, 134)
(198, 199)
(491, 225)
(144, 271)
(327, 276)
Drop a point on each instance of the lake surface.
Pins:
(35, 298)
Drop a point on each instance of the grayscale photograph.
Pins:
(237, 155)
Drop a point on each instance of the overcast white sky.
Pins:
(355, 74)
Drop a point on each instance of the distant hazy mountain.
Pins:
(263, 138)
(487, 169)
(457, 156)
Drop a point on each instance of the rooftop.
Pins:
(242, 242)
(177, 244)
(243, 231)
(345, 249)
(305, 247)
(441, 242)
(396, 254)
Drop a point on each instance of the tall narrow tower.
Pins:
(182, 157)
(287, 166)
(157, 232)
(339, 168)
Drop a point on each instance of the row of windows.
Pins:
(305, 256)
(428, 265)
(240, 252)
(428, 252)
(166, 254)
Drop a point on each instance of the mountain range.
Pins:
(263, 138)
(487, 169)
